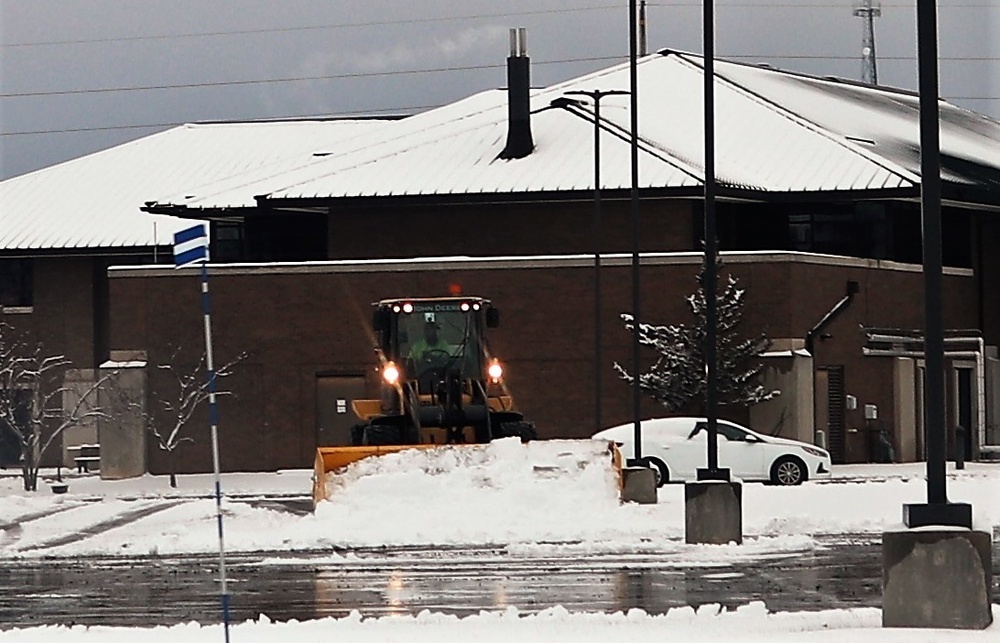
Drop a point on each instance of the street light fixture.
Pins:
(596, 96)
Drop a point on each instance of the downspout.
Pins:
(852, 289)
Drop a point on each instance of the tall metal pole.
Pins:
(634, 104)
(596, 95)
(597, 261)
(711, 252)
(930, 204)
(206, 304)
(937, 511)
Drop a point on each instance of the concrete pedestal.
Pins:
(713, 512)
(639, 485)
(122, 435)
(936, 578)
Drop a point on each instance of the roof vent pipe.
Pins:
(519, 141)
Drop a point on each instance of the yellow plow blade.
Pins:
(332, 458)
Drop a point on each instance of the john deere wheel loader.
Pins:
(439, 383)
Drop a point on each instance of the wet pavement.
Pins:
(160, 591)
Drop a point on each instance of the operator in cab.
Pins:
(430, 351)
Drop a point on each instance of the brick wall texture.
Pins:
(299, 321)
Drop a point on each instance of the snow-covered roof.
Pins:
(776, 132)
(94, 201)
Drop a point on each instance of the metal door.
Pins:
(830, 400)
(966, 412)
(334, 417)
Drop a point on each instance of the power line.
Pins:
(263, 81)
(383, 23)
(352, 25)
(405, 72)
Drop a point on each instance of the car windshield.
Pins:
(439, 339)
(728, 431)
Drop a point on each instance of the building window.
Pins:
(16, 283)
(862, 231)
(227, 241)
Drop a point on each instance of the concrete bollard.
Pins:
(639, 485)
(713, 512)
(936, 579)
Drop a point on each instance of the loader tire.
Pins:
(382, 435)
(523, 430)
(358, 432)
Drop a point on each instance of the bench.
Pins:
(89, 457)
(84, 462)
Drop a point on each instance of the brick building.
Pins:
(307, 330)
(62, 227)
(819, 186)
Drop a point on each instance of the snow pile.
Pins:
(862, 507)
(530, 499)
(502, 492)
(748, 624)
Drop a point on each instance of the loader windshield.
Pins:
(440, 340)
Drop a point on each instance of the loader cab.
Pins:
(439, 382)
(429, 338)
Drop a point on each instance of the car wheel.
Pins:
(787, 471)
(659, 467)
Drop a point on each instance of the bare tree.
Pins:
(32, 404)
(190, 389)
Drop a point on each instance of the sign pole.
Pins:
(213, 413)
(191, 246)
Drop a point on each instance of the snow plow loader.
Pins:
(439, 384)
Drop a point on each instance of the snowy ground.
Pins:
(549, 499)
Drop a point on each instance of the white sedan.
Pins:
(677, 447)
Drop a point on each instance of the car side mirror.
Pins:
(752, 439)
(380, 320)
(492, 317)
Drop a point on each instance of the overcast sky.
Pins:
(77, 76)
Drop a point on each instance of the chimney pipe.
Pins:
(642, 28)
(519, 141)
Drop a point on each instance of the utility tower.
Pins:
(868, 11)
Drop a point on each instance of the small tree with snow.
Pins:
(33, 398)
(188, 390)
(679, 375)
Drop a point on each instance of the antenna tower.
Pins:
(868, 11)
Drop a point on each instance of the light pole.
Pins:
(937, 510)
(937, 571)
(712, 472)
(634, 201)
(713, 505)
(596, 96)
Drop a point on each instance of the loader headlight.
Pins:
(495, 371)
(407, 308)
(390, 373)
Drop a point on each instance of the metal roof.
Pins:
(94, 201)
(776, 132)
